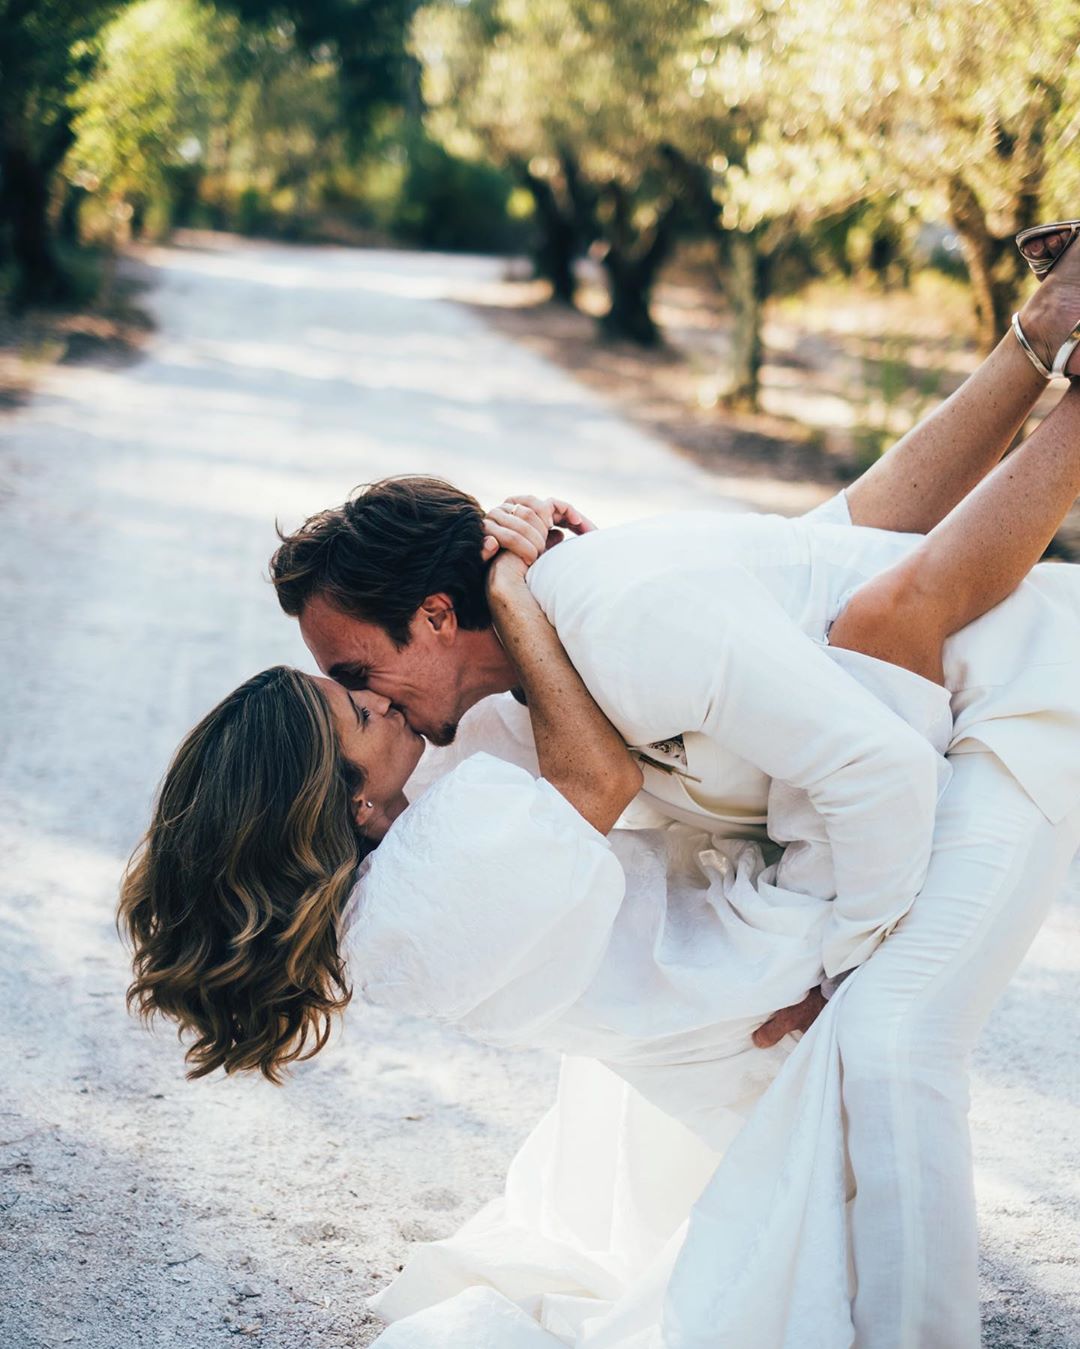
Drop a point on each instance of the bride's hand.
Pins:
(505, 581)
(527, 526)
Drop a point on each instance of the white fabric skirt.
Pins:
(590, 1238)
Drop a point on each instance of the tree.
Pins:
(631, 119)
(182, 89)
(762, 170)
(569, 95)
(45, 47)
(970, 109)
(772, 124)
(160, 88)
(367, 39)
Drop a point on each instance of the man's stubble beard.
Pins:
(445, 735)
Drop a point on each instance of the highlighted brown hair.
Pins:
(233, 898)
(382, 553)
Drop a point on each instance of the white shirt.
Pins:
(704, 624)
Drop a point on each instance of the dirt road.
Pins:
(136, 1208)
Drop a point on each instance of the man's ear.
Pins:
(437, 611)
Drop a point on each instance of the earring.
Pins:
(369, 805)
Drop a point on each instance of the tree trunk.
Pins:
(68, 228)
(25, 177)
(749, 278)
(24, 204)
(632, 264)
(695, 185)
(995, 268)
(628, 317)
(557, 247)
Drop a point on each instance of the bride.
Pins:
(507, 903)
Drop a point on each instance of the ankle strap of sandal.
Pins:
(1057, 370)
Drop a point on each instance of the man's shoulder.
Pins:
(659, 544)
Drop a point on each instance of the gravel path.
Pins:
(137, 1208)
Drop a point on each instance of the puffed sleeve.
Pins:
(489, 904)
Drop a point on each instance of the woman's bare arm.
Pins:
(581, 754)
(975, 557)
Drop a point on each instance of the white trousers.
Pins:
(906, 1031)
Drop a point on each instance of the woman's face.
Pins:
(374, 737)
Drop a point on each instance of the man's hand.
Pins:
(800, 1017)
(527, 526)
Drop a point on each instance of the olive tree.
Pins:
(972, 108)
(571, 95)
(45, 48)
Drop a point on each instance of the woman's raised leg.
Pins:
(922, 477)
(975, 557)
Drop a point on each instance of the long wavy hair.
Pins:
(232, 900)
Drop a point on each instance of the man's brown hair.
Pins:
(382, 553)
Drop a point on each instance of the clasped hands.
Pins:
(516, 533)
(527, 526)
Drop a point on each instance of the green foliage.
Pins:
(193, 117)
(965, 111)
(451, 203)
(366, 41)
(818, 134)
(160, 86)
(44, 48)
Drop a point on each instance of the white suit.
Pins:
(713, 626)
(493, 906)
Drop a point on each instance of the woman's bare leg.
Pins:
(919, 480)
(975, 557)
(922, 477)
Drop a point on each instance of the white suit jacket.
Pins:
(700, 625)
(715, 626)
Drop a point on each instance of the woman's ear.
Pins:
(374, 820)
(363, 811)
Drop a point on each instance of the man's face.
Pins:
(422, 679)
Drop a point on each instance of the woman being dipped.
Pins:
(489, 861)
(271, 803)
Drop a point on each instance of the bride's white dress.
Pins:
(647, 958)
(639, 1213)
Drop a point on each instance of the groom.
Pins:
(703, 645)
(672, 634)
(698, 624)
(390, 594)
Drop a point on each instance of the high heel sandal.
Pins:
(1061, 360)
(1040, 266)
